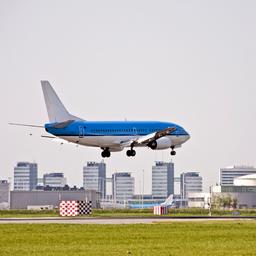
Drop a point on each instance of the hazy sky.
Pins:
(189, 62)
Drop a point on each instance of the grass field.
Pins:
(206, 238)
(126, 212)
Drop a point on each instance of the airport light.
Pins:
(210, 202)
(142, 189)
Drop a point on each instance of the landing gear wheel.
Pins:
(173, 153)
(131, 152)
(105, 153)
(128, 153)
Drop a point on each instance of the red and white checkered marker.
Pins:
(160, 210)
(69, 208)
(74, 208)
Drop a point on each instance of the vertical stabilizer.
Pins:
(56, 110)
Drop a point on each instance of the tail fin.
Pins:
(56, 110)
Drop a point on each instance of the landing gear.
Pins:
(105, 153)
(173, 152)
(153, 144)
(131, 152)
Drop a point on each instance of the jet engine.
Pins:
(161, 143)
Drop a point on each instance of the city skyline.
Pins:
(138, 188)
(186, 62)
(95, 175)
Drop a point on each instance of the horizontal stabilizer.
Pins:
(55, 139)
(48, 137)
(28, 125)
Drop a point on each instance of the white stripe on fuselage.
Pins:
(115, 141)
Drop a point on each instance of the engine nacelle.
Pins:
(162, 143)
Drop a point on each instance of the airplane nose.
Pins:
(187, 135)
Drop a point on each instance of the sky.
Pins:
(188, 62)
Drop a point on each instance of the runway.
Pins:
(115, 220)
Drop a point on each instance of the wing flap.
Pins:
(146, 138)
(164, 132)
(154, 136)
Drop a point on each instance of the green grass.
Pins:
(28, 213)
(206, 238)
(125, 213)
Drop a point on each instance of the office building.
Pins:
(190, 182)
(198, 200)
(4, 191)
(245, 196)
(122, 186)
(245, 180)
(54, 180)
(94, 177)
(51, 199)
(162, 180)
(40, 182)
(228, 174)
(25, 176)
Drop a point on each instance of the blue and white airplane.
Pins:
(110, 136)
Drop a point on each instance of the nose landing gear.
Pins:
(173, 152)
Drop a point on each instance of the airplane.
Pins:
(110, 136)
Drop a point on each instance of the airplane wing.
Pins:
(149, 137)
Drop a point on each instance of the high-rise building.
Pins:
(190, 182)
(162, 179)
(228, 174)
(25, 176)
(94, 177)
(56, 180)
(122, 186)
(4, 191)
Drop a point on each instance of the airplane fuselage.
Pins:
(114, 134)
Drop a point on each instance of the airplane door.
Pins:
(81, 131)
(135, 131)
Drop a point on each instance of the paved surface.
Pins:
(129, 220)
